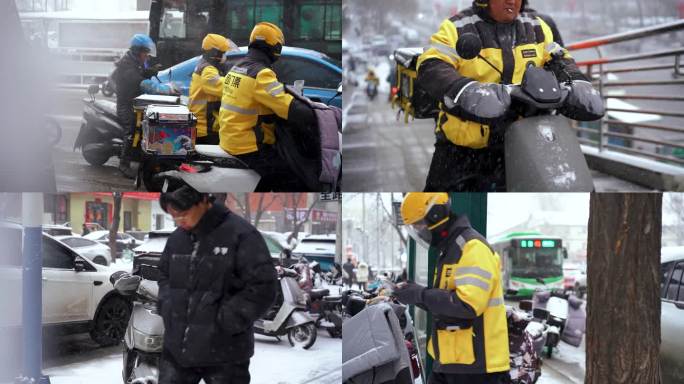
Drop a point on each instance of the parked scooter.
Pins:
(144, 336)
(566, 317)
(542, 151)
(288, 316)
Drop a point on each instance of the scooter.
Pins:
(566, 319)
(527, 334)
(288, 316)
(212, 169)
(327, 310)
(101, 136)
(144, 336)
(542, 151)
(371, 90)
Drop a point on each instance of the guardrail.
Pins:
(618, 135)
(79, 67)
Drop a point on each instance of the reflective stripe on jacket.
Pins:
(206, 89)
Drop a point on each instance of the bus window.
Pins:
(537, 262)
(244, 14)
(183, 19)
(319, 22)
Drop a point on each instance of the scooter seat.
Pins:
(333, 299)
(106, 106)
(213, 151)
(317, 294)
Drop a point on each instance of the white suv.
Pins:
(77, 294)
(672, 314)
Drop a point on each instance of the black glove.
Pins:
(152, 71)
(409, 293)
(485, 103)
(584, 103)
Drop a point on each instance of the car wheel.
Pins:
(111, 321)
(100, 260)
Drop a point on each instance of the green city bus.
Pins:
(527, 259)
(178, 26)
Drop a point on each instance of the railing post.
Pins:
(603, 97)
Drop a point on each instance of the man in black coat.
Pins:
(216, 279)
(130, 71)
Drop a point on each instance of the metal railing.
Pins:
(625, 134)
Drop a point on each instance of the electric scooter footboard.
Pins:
(544, 155)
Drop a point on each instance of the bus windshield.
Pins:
(537, 262)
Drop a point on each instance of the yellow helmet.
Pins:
(217, 42)
(268, 34)
(422, 212)
(416, 205)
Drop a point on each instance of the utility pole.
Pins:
(377, 229)
(32, 287)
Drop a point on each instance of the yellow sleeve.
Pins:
(442, 45)
(212, 82)
(475, 275)
(271, 93)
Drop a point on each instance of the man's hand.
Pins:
(409, 293)
(485, 103)
(584, 103)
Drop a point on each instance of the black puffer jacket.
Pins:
(215, 281)
(127, 75)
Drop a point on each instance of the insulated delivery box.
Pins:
(411, 98)
(168, 131)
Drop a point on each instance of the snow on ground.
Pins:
(273, 363)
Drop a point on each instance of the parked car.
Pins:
(94, 251)
(123, 240)
(138, 235)
(320, 248)
(77, 294)
(149, 252)
(672, 315)
(58, 230)
(575, 278)
(322, 75)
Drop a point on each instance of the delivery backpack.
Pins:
(313, 153)
(411, 98)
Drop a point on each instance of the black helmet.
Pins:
(180, 196)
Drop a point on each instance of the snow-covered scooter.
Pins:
(289, 315)
(145, 332)
(542, 151)
(566, 318)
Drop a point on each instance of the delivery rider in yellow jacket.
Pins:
(253, 100)
(474, 103)
(469, 340)
(206, 87)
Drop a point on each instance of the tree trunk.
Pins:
(116, 218)
(623, 319)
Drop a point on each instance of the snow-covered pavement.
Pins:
(78, 361)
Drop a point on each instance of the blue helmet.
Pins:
(141, 42)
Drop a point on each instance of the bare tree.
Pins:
(389, 217)
(676, 205)
(294, 199)
(116, 218)
(244, 205)
(623, 322)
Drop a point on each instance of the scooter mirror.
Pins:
(525, 305)
(93, 89)
(468, 46)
